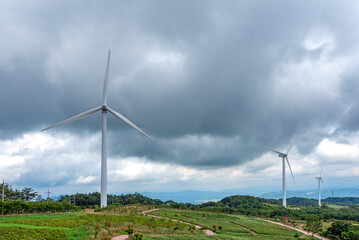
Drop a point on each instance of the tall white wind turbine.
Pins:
(284, 157)
(320, 179)
(104, 108)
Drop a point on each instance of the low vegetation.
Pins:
(92, 226)
(232, 217)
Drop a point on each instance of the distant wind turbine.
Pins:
(320, 179)
(284, 157)
(104, 108)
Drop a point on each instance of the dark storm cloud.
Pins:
(214, 82)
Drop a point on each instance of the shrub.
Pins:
(129, 231)
(97, 208)
(137, 236)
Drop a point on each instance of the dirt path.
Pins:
(121, 237)
(206, 231)
(299, 230)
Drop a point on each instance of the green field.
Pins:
(230, 226)
(336, 206)
(116, 221)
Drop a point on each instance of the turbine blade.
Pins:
(123, 118)
(321, 170)
(322, 181)
(274, 150)
(290, 147)
(74, 118)
(290, 169)
(105, 83)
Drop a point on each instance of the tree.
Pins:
(313, 224)
(28, 194)
(340, 229)
(39, 198)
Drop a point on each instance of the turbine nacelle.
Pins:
(104, 107)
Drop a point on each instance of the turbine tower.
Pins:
(284, 157)
(104, 108)
(320, 179)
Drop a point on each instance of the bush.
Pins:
(129, 231)
(97, 208)
(137, 236)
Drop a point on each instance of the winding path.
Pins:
(124, 237)
(297, 229)
(206, 231)
(121, 237)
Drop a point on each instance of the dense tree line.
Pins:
(342, 201)
(92, 199)
(252, 206)
(26, 194)
(20, 207)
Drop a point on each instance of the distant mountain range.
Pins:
(313, 193)
(196, 197)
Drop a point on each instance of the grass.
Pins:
(230, 226)
(116, 220)
(21, 225)
(92, 226)
(336, 206)
(13, 232)
(38, 216)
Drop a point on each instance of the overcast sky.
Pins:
(214, 82)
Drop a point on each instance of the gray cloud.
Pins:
(214, 82)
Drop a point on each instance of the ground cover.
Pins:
(121, 220)
(13, 232)
(92, 226)
(336, 206)
(229, 226)
(21, 226)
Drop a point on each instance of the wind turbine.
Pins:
(104, 108)
(284, 157)
(320, 179)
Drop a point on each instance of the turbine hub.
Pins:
(104, 107)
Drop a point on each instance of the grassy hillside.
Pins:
(231, 226)
(123, 219)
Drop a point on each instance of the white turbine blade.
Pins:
(74, 118)
(290, 169)
(290, 147)
(321, 181)
(105, 83)
(321, 170)
(274, 151)
(123, 118)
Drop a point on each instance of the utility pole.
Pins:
(3, 189)
(3, 195)
(48, 195)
